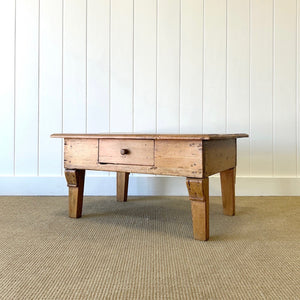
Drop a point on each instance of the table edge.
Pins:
(150, 136)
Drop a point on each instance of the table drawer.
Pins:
(126, 152)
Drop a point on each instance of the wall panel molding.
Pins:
(166, 66)
(27, 87)
(146, 185)
(7, 86)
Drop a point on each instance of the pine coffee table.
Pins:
(195, 157)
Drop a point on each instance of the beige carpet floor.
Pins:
(144, 249)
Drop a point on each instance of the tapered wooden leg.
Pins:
(122, 186)
(75, 180)
(199, 195)
(228, 191)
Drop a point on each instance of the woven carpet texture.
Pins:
(144, 249)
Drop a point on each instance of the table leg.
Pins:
(75, 180)
(199, 195)
(122, 186)
(228, 191)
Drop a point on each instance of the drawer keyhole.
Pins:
(124, 151)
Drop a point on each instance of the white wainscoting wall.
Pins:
(149, 66)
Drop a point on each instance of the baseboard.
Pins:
(146, 185)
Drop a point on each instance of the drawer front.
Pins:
(126, 152)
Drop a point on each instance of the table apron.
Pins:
(188, 158)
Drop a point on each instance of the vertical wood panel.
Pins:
(238, 73)
(98, 66)
(168, 66)
(191, 66)
(140, 68)
(145, 59)
(26, 131)
(145, 66)
(74, 66)
(214, 88)
(285, 88)
(121, 66)
(261, 87)
(50, 116)
(7, 57)
(98, 42)
(298, 85)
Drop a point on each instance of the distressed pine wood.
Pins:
(218, 155)
(179, 157)
(122, 186)
(150, 136)
(193, 156)
(184, 160)
(126, 152)
(199, 195)
(228, 191)
(75, 181)
(81, 154)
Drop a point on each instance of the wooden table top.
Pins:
(150, 136)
